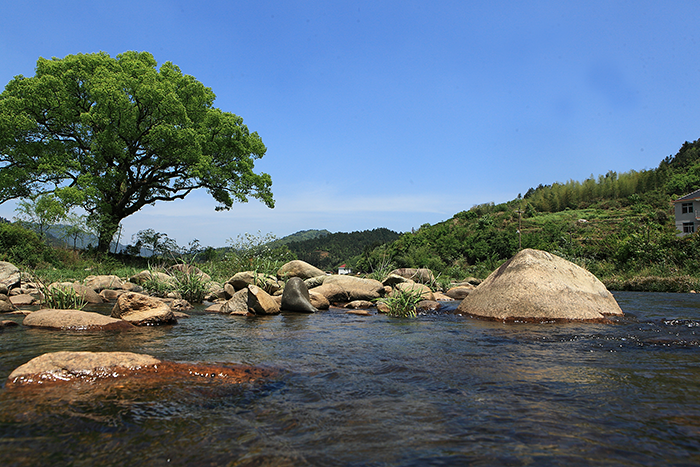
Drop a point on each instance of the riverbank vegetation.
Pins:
(619, 226)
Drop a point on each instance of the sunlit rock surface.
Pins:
(535, 285)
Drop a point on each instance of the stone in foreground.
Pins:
(538, 286)
(111, 367)
(65, 366)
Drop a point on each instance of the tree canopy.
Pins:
(112, 135)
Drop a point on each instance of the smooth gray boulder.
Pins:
(538, 286)
(296, 297)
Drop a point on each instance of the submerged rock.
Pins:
(535, 285)
(112, 367)
(65, 366)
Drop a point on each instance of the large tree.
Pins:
(113, 135)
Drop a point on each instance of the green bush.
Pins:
(403, 303)
(21, 246)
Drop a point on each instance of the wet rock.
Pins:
(6, 323)
(55, 372)
(142, 310)
(359, 304)
(535, 285)
(298, 268)
(75, 320)
(296, 297)
(359, 312)
(429, 305)
(66, 366)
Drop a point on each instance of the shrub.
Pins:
(403, 303)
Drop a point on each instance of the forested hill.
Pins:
(301, 236)
(613, 224)
(329, 251)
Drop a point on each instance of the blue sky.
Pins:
(398, 113)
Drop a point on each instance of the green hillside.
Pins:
(619, 226)
(332, 250)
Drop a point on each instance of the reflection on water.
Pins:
(353, 390)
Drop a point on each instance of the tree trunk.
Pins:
(106, 230)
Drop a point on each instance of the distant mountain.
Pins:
(334, 249)
(302, 236)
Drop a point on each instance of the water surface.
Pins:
(441, 389)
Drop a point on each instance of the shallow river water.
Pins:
(348, 390)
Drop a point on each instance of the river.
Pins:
(348, 390)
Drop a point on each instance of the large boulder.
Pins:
(298, 268)
(422, 275)
(414, 287)
(237, 304)
(534, 286)
(142, 310)
(261, 302)
(101, 282)
(337, 288)
(296, 297)
(10, 275)
(75, 320)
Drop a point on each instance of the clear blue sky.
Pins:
(399, 113)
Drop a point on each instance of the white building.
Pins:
(687, 210)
